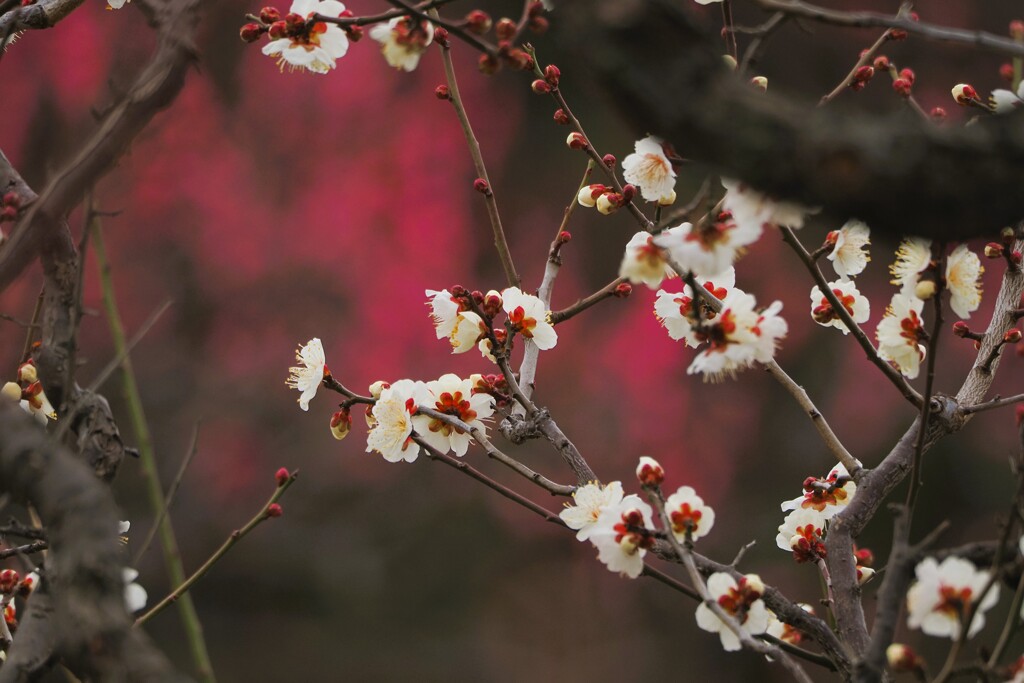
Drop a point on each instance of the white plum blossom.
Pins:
(118, 4)
(620, 538)
(675, 310)
(529, 317)
(849, 254)
(855, 303)
(913, 256)
(316, 48)
(135, 596)
(963, 279)
(942, 594)
(650, 169)
(738, 337)
(590, 500)
(307, 377)
(468, 329)
(711, 247)
(402, 41)
(454, 396)
(394, 417)
(827, 495)
(750, 207)
(687, 511)
(644, 262)
(740, 600)
(802, 533)
(783, 631)
(899, 334)
(1006, 101)
(444, 309)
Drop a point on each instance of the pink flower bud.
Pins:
(881, 63)
(901, 658)
(1017, 29)
(541, 87)
(487, 65)
(341, 423)
(274, 510)
(505, 29)
(441, 92)
(250, 32)
(623, 289)
(1006, 72)
(552, 74)
(12, 199)
(628, 192)
(481, 186)
(282, 476)
(649, 472)
(902, 87)
(1012, 336)
(964, 94)
(268, 15)
(908, 75)
(441, 35)
(937, 113)
(576, 141)
(961, 329)
(561, 117)
(278, 29)
(993, 250)
(864, 73)
(479, 22)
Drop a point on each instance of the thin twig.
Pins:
(994, 403)
(865, 57)
(27, 549)
(606, 292)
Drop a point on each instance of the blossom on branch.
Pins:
(963, 279)
(738, 337)
(1005, 101)
(750, 207)
(912, 258)
(803, 534)
(135, 596)
(677, 313)
(742, 601)
(644, 262)
(650, 169)
(393, 421)
(827, 495)
(849, 255)
(311, 373)
(529, 317)
(942, 595)
(402, 41)
(690, 517)
(454, 396)
(300, 45)
(900, 332)
(622, 536)
(710, 247)
(590, 500)
(855, 303)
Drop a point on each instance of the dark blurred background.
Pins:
(274, 207)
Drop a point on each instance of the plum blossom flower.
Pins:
(394, 417)
(849, 254)
(1006, 101)
(454, 396)
(912, 258)
(827, 495)
(676, 312)
(314, 48)
(644, 261)
(740, 600)
(709, 248)
(528, 315)
(621, 538)
(855, 303)
(803, 534)
(650, 169)
(899, 334)
(687, 512)
(783, 631)
(444, 310)
(308, 377)
(750, 207)
(963, 278)
(942, 594)
(738, 337)
(402, 41)
(590, 500)
(118, 4)
(135, 596)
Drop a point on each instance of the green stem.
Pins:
(147, 462)
(238, 534)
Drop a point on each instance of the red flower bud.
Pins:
(1017, 29)
(1020, 414)
(561, 117)
(902, 87)
(538, 24)
(278, 29)
(274, 510)
(881, 63)
(479, 22)
(1012, 336)
(481, 186)
(623, 289)
(609, 160)
(938, 113)
(268, 15)
(1006, 72)
(505, 29)
(993, 250)
(908, 74)
(12, 199)
(576, 141)
(961, 329)
(519, 59)
(564, 236)
(441, 92)
(9, 213)
(552, 74)
(250, 32)
(282, 476)
(864, 73)
(540, 87)
(441, 35)
(294, 20)
(628, 192)
(487, 64)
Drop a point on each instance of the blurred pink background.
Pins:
(274, 207)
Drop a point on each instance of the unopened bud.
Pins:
(274, 510)
(12, 391)
(864, 557)
(561, 117)
(924, 290)
(902, 87)
(1012, 336)
(901, 658)
(341, 423)
(609, 160)
(576, 141)
(377, 387)
(477, 382)
(505, 29)
(667, 200)
(9, 580)
(881, 63)
(961, 329)
(1017, 29)
(564, 236)
(1008, 235)
(278, 29)
(27, 372)
(441, 36)
(937, 113)
(753, 584)
(993, 250)
(479, 22)
(282, 476)
(759, 82)
(487, 64)
(552, 74)
(541, 87)
(649, 472)
(268, 15)
(250, 32)
(442, 92)
(964, 94)
(538, 24)
(481, 186)
(623, 289)
(609, 203)
(864, 73)
(294, 20)
(1015, 258)
(864, 574)
(628, 192)
(493, 299)
(908, 75)
(588, 195)
(1006, 72)
(730, 62)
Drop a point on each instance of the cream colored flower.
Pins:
(308, 377)
(963, 279)
(849, 254)
(912, 258)
(650, 169)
